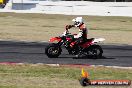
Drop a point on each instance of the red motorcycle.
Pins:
(88, 49)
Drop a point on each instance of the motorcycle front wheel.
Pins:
(53, 50)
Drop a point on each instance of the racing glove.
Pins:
(69, 26)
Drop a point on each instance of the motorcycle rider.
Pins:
(82, 35)
(72, 43)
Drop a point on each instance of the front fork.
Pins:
(59, 43)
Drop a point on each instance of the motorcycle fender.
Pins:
(96, 40)
(55, 39)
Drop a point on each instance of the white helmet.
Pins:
(78, 21)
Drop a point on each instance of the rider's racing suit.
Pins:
(81, 36)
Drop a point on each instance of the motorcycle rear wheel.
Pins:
(53, 50)
(95, 52)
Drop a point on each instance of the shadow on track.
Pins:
(73, 57)
(103, 57)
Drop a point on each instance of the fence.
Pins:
(77, 8)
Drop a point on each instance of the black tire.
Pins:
(52, 54)
(96, 51)
(85, 81)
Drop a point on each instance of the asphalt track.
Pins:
(33, 52)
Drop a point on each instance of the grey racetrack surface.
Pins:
(33, 52)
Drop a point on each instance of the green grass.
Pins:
(41, 76)
(40, 27)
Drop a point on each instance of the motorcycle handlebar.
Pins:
(63, 37)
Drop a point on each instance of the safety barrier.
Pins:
(77, 7)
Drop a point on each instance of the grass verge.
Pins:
(40, 27)
(41, 76)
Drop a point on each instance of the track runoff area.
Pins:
(21, 52)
